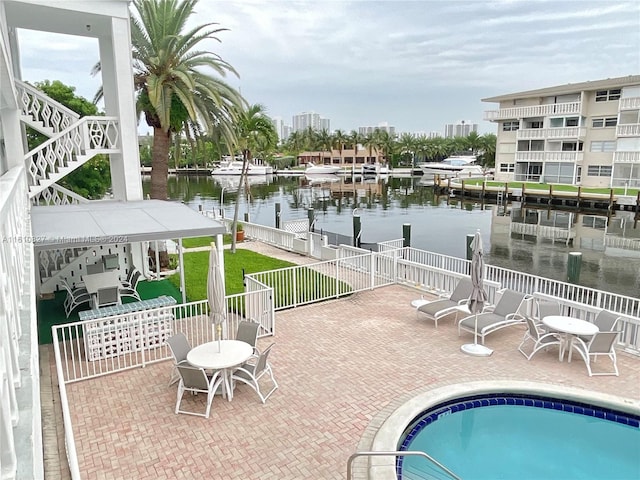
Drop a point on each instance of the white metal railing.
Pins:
(529, 156)
(53, 158)
(628, 326)
(16, 257)
(631, 130)
(542, 231)
(390, 245)
(57, 195)
(97, 347)
(532, 111)
(626, 157)
(546, 133)
(629, 103)
(42, 109)
(619, 242)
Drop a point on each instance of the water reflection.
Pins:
(522, 238)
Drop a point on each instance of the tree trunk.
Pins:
(160, 163)
(243, 179)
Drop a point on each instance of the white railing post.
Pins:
(372, 270)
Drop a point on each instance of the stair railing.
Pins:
(353, 456)
(41, 108)
(90, 135)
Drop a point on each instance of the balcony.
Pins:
(631, 103)
(629, 130)
(626, 157)
(551, 133)
(549, 156)
(532, 111)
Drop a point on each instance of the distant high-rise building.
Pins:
(460, 129)
(311, 120)
(283, 130)
(384, 126)
(286, 131)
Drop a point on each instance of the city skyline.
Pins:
(415, 65)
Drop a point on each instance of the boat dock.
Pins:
(550, 195)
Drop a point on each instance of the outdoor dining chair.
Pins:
(106, 297)
(601, 344)
(95, 268)
(195, 380)
(131, 290)
(75, 298)
(540, 338)
(180, 347)
(248, 332)
(252, 373)
(545, 308)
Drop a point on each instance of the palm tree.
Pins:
(254, 129)
(338, 141)
(324, 144)
(173, 81)
(407, 145)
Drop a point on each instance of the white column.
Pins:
(117, 83)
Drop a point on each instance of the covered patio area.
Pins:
(339, 364)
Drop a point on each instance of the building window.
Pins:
(605, 146)
(531, 146)
(604, 122)
(608, 95)
(507, 167)
(630, 117)
(572, 122)
(510, 126)
(599, 171)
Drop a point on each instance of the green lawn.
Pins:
(197, 265)
(203, 241)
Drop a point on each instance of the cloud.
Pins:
(414, 64)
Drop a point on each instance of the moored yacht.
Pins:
(453, 166)
(313, 169)
(235, 168)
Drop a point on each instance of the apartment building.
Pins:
(584, 133)
(311, 120)
(384, 126)
(460, 129)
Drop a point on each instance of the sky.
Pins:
(416, 65)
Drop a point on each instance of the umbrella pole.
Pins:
(473, 348)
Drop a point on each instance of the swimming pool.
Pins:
(523, 436)
(389, 428)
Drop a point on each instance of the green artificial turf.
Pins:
(51, 311)
(203, 241)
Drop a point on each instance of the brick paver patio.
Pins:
(338, 363)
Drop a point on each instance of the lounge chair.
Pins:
(251, 374)
(437, 309)
(602, 343)
(195, 380)
(540, 338)
(504, 314)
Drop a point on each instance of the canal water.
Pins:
(521, 238)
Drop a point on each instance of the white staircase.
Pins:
(72, 141)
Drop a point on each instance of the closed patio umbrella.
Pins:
(215, 293)
(478, 296)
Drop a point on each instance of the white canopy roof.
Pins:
(110, 222)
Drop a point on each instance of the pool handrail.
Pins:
(355, 455)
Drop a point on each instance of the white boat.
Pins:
(375, 169)
(232, 182)
(453, 166)
(313, 169)
(319, 179)
(234, 167)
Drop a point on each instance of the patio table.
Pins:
(221, 355)
(95, 281)
(571, 327)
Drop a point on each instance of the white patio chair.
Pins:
(130, 290)
(248, 332)
(252, 373)
(107, 296)
(540, 338)
(74, 298)
(605, 321)
(545, 308)
(602, 343)
(95, 268)
(195, 380)
(180, 347)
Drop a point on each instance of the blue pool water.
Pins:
(515, 437)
